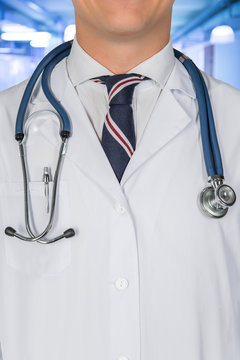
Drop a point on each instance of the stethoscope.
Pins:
(214, 199)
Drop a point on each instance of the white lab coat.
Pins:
(63, 301)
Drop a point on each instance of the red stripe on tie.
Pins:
(122, 83)
(118, 135)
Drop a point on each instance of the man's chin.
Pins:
(125, 29)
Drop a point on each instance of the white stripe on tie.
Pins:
(127, 82)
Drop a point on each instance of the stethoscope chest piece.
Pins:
(209, 204)
(216, 199)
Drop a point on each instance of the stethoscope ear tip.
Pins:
(69, 233)
(10, 231)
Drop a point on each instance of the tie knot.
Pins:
(120, 87)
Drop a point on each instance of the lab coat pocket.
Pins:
(32, 257)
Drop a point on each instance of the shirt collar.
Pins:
(159, 67)
(82, 67)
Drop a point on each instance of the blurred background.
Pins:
(208, 31)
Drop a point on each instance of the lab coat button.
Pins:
(120, 209)
(121, 284)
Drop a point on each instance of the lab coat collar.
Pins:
(82, 67)
(167, 120)
(180, 80)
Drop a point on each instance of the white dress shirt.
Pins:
(82, 67)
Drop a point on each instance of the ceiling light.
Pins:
(15, 28)
(18, 36)
(38, 39)
(41, 40)
(222, 34)
(69, 32)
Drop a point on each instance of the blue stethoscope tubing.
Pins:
(47, 65)
(210, 145)
(214, 200)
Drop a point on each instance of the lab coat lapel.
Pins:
(167, 121)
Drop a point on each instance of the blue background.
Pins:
(192, 24)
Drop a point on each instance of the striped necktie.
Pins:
(118, 135)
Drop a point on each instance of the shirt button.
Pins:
(121, 284)
(122, 358)
(120, 209)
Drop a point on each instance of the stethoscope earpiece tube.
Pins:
(47, 65)
(39, 238)
(12, 232)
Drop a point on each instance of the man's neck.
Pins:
(120, 55)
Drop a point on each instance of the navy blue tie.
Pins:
(118, 135)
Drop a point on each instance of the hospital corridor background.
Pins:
(208, 31)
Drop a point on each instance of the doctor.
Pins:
(147, 276)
